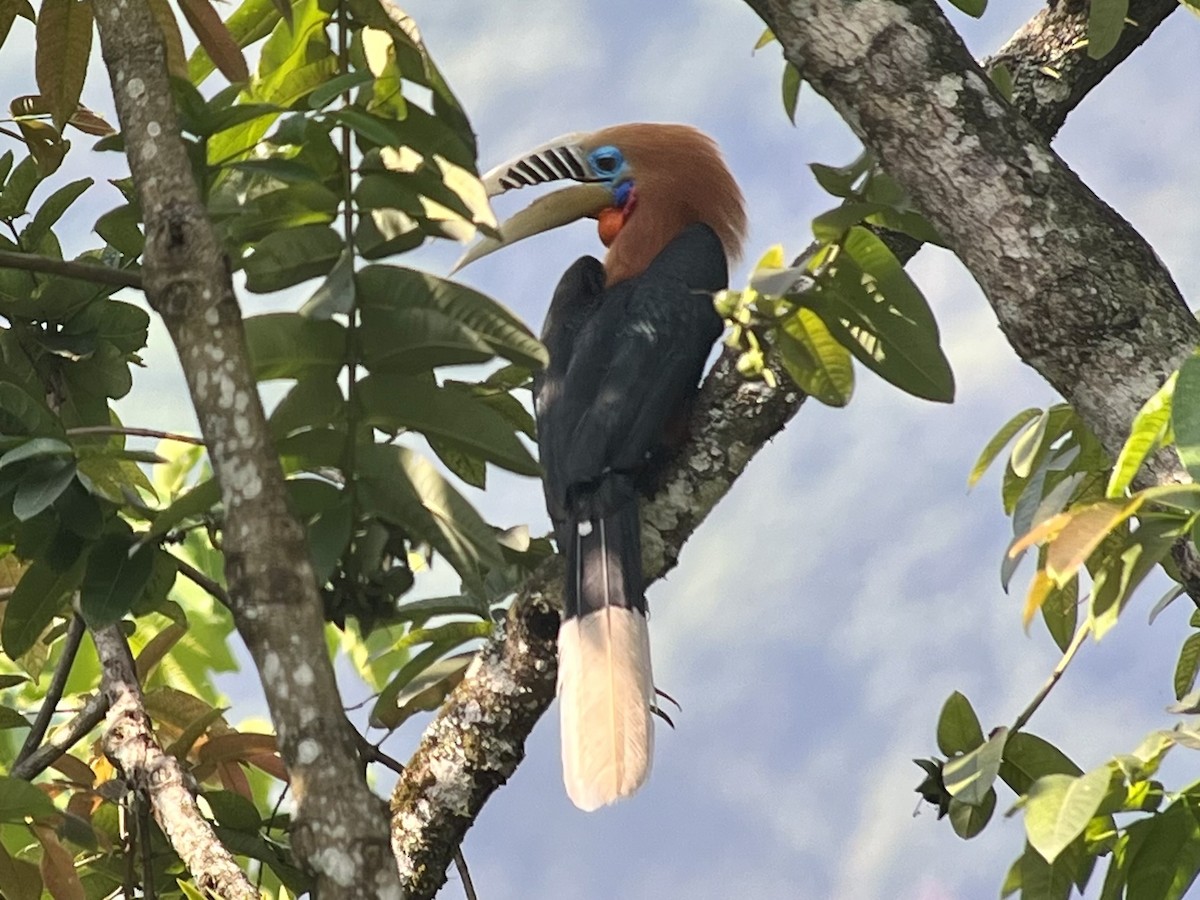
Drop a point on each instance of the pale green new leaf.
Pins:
(1185, 416)
(999, 441)
(1187, 666)
(1059, 807)
(969, 777)
(1150, 427)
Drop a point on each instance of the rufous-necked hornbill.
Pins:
(627, 341)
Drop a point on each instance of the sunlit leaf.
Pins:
(1106, 21)
(969, 777)
(818, 364)
(1059, 807)
(958, 729)
(1150, 427)
(40, 595)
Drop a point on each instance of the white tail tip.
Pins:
(605, 691)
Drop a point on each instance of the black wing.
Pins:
(632, 364)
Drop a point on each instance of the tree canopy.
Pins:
(297, 152)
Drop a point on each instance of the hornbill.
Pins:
(627, 341)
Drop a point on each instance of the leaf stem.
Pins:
(1081, 634)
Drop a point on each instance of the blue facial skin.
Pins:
(608, 163)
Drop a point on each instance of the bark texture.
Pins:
(130, 745)
(507, 689)
(340, 832)
(1080, 295)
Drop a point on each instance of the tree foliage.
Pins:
(335, 146)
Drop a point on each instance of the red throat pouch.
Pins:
(609, 225)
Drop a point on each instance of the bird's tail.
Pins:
(605, 687)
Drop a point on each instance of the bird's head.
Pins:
(644, 183)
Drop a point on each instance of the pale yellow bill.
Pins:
(558, 208)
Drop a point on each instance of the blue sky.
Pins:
(849, 582)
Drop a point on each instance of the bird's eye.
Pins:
(606, 161)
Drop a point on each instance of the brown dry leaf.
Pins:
(234, 779)
(75, 769)
(19, 878)
(176, 55)
(222, 49)
(259, 750)
(64, 45)
(158, 647)
(58, 867)
(91, 122)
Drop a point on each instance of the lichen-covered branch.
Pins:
(477, 739)
(340, 832)
(1077, 291)
(130, 745)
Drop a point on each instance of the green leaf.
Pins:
(14, 199)
(386, 712)
(41, 486)
(336, 293)
(1002, 78)
(958, 729)
(1060, 612)
(791, 90)
(413, 321)
(1027, 450)
(1059, 807)
(10, 718)
(1149, 429)
(1187, 666)
(998, 443)
(289, 345)
(973, 8)
(114, 579)
(288, 257)
(34, 449)
(39, 596)
(1164, 863)
(471, 469)
(832, 224)
(968, 820)
(394, 402)
(20, 800)
(195, 503)
(1123, 571)
(818, 364)
(1106, 20)
(402, 487)
(313, 402)
(426, 691)
(52, 210)
(969, 777)
(872, 306)
(1185, 416)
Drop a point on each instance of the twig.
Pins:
(130, 744)
(64, 739)
(54, 691)
(195, 575)
(1081, 634)
(31, 262)
(372, 753)
(136, 432)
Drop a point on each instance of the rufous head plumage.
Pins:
(644, 182)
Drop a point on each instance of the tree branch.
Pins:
(478, 736)
(94, 272)
(340, 832)
(54, 691)
(130, 745)
(63, 739)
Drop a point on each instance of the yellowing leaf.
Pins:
(1039, 590)
(1045, 531)
(1083, 534)
(772, 259)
